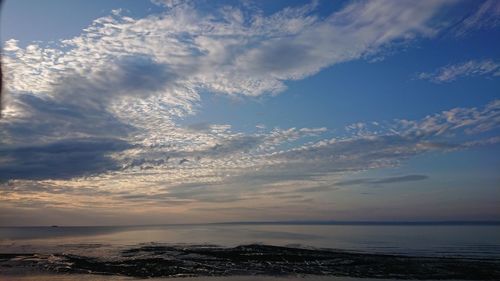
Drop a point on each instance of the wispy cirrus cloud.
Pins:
(486, 16)
(449, 73)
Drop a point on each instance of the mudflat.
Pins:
(251, 260)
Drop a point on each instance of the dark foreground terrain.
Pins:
(177, 261)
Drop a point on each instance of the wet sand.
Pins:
(91, 277)
(256, 261)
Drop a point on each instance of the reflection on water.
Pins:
(435, 240)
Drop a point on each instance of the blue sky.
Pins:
(167, 111)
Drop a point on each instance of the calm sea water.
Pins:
(422, 240)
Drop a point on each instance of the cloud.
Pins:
(387, 145)
(35, 119)
(241, 169)
(319, 188)
(169, 3)
(468, 121)
(135, 76)
(126, 77)
(449, 73)
(226, 55)
(360, 29)
(64, 159)
(486, 16)
(101, 112)
(387, 180)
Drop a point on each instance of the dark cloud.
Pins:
(282, 55)
(137, 76)
(79, 104)
(201, 126)
(60, 160)
(226, 147)
(349, 155)
(319, 188)
(235, 145)
(388, 180)
(54, 119)
(51, 134)
(34, 187)
(401, 179)
(141, 74)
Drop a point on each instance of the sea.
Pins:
(450, 240)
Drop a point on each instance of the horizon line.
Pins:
(294, 222)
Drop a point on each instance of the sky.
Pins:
(171, 111)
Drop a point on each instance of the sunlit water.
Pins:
(480, 241)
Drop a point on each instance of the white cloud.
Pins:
(135, 76)
(229, 54)
(471, 68)
(146, 72)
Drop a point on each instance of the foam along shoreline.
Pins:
(206, 260)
